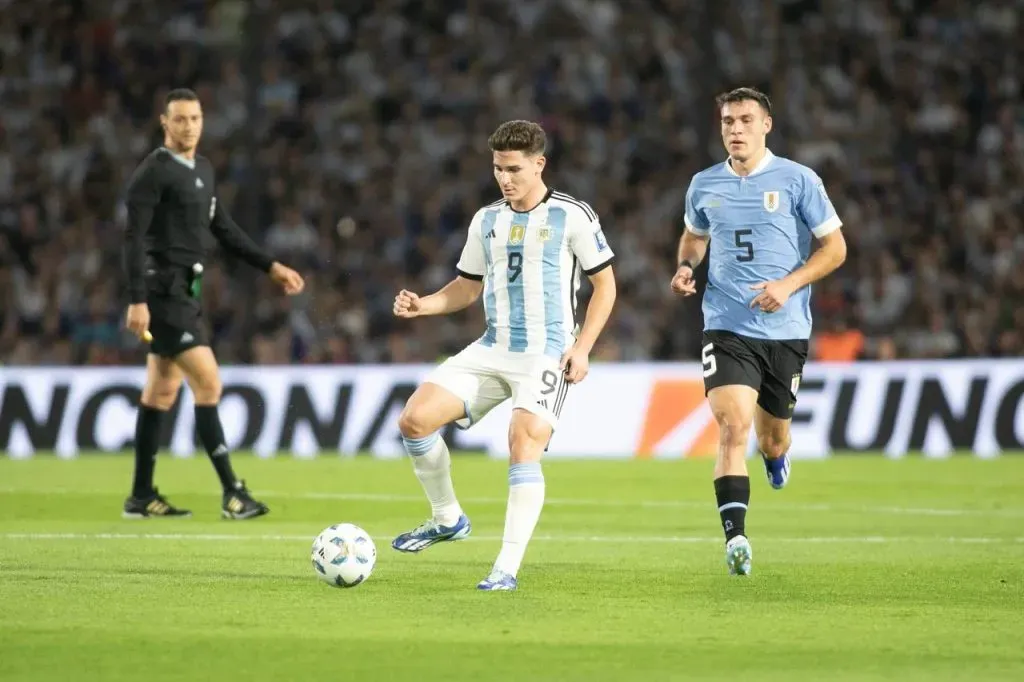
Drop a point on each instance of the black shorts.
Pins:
(176, 318)
(772, 368)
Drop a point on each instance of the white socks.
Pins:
(525, 501)
(433, 464)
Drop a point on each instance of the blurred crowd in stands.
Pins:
(350, 139)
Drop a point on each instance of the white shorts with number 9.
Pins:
(483, 377)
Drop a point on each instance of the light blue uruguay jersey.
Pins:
(760, 227)
(530, 263)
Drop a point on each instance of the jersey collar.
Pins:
(768, 157)
(547, 195)
(188, 163)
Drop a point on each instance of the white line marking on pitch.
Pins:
(654, 539)
(655, 504)
(593, 502)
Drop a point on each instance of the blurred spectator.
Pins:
(351, 138)
(837, 342)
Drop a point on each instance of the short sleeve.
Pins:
(694, 220)
(814, 206)
(473, 263)
(588, 242)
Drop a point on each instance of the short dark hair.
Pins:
(519, 136)
(180, 95)
(745, 95)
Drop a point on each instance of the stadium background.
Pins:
(352, 143)
(349, 136)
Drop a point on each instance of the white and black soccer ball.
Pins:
(343, 555)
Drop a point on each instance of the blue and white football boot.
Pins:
(738, 555)
(498, 581)
(777, 470)
(430, 533)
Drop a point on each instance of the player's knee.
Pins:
(774, 443)
(527, 437)
(415, 423)
(733, 427)
(207, 388)
(160, 395)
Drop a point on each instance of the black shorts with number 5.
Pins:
(772, 368)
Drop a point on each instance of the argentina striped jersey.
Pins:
(531, 263)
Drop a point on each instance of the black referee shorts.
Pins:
(176, 318)
(772, 368)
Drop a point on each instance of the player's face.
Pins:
(744, 128)
(517, 174)
(183, 124)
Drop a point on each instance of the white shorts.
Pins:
(483, 377)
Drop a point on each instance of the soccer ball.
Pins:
(343, 555)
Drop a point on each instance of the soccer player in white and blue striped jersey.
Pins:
(759, 213)
(526, 254)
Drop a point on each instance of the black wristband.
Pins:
(688, 264)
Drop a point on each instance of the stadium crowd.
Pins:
(353, 144)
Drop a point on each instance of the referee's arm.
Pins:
(143, 195)
(235, 241)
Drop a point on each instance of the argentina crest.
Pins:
(516, 234)
(771, 201)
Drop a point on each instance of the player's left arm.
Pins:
(235, 241)
(588, 243)
(817, 212)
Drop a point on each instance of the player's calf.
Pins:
(203, 375)
(163, 382)
(773, 442)
(528, 435)
(733, 409)
(429, 409)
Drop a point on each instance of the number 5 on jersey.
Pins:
(747, 246)
(708, 360)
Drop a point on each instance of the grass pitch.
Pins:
(864, 569)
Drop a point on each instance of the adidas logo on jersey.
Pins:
(199, 183)
(187, 338)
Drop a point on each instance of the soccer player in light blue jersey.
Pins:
(525, 254)
(758, 213)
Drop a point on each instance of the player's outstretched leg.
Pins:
(203, 377)
(528, 435)
(773, 441)
(733, 408)
(163, 381)
(428, 410)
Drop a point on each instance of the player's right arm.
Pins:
(693, 246)
(142, 197)
(458, 294)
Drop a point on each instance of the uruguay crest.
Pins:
(771, 201)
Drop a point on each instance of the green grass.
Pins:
(864, 569)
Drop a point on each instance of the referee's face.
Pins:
(183, 125)
(744, 128)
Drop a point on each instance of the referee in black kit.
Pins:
(171, 200)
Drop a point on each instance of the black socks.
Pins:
(147, 442)
(211, 435)
(733, 495)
